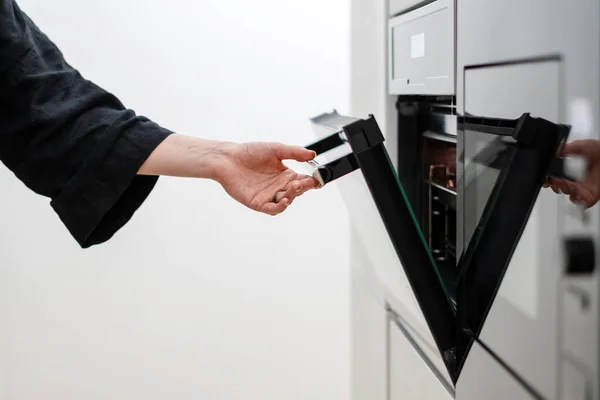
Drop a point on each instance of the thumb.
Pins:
(297, 153)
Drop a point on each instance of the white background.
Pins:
(197, 297)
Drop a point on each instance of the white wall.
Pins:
(197, 297)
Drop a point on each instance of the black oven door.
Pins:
(352, 155)
(512, 160)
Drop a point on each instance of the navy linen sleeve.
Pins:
(66, 138)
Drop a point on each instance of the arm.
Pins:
(252, 173)
(66, 138)
(69, 140)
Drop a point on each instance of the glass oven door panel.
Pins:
(502, 178)
(386, 267)
(391, 237)
(379, 249)
(485, 156)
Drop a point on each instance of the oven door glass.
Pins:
(352, 156)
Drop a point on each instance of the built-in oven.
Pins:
(441, 229)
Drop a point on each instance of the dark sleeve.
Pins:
(66, 138)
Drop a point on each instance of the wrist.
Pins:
(218, 159)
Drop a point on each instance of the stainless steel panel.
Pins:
(421, 48)
(484, 378)
(424, 346)
(521, 325)
(369, 329)
(410, 378)
(574, 384)
(579, 301)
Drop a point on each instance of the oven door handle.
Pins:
(325, 173)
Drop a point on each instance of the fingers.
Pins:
(578, 193)
(581, 199)
(275, 208)
(296, 188)
(284, 198)
(585, 197)
(293, 190)
(297, 153)
(560, 186)
(308, 182)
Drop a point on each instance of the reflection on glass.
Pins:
(485, 157)
(505, 163)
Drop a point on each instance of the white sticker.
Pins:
(417, 45)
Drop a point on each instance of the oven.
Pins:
(442, 229)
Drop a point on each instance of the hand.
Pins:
(587, 191)
(254, 175)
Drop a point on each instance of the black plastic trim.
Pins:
(326, 144)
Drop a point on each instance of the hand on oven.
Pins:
(254, 174)
(585, 191)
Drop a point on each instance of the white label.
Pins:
(417, 45)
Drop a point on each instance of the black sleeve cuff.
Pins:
(107, 191)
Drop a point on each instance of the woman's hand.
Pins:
(251, 173)
(254, 175)
(587, 191)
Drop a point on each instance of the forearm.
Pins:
(185, 156)
(66, 138)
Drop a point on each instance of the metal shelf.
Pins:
(444, 195)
